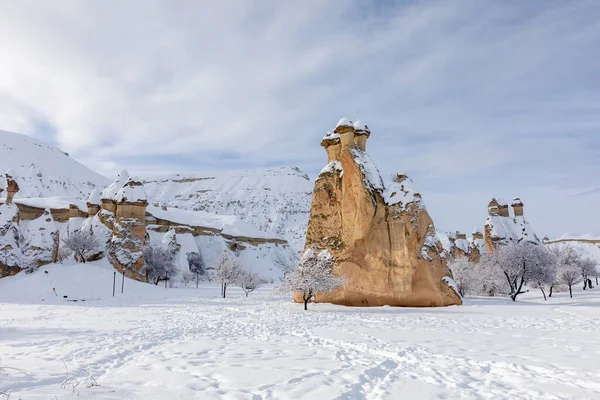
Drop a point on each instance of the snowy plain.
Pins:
(187, 343)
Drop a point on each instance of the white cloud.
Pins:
(480, 98)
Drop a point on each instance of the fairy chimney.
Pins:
(362, 133)
(12, 187)
(379, 233)
(517, 206)
(503, 208)
(345, 129)
(129, 232)
(477, 235)
(332, 145)
(93, 202)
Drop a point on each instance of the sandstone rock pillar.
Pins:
(517, 206)
(380, 235)
(129, 233)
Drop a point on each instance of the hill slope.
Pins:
(273, 200)
(43, 170)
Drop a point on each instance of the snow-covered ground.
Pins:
(157, 343)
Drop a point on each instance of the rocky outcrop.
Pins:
(477, 246)
(501, 228)
(380, 235)
(10, 253)
(12, 187)
(41, 241)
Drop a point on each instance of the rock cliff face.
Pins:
(381, 236)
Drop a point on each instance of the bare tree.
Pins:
(588, 267)
(228, 269)
(83, 244)
(286, 264)
(314, 274)
(569, 275)
(544, 276)
(518, 263)
(196, 265)
(159, 264)
(568, 265)
(466, 275)
(249, 281)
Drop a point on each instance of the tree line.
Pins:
(511, 268)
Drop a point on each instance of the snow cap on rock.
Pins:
(132, 192)
(361, 128)
(110, 193)
(344, 122)
(94, 197)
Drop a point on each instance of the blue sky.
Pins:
(473, 99)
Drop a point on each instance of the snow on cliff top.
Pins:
(272, 200)
(56, 202)
(111, 192)
(94, 197)
(43, 170)
(228, 224)
(132, 191)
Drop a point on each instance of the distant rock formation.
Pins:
(502, 229)
(457, 245)
(380, 234)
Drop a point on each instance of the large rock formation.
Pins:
(380, 235)
(126, 250)
(502, 229)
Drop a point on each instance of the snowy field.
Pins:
(157, 343)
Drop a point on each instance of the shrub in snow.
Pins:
(314, 274)
(196, 265)
(228, 270)
(159, 264)
(63, 254)
(82, 243)
(249, 281)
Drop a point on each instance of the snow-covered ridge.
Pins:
(275, 201)
(42, 170)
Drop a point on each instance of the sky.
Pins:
(473, 99)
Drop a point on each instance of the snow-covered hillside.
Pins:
(43, 170)
(274, 200)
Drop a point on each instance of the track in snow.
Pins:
(193, 346)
